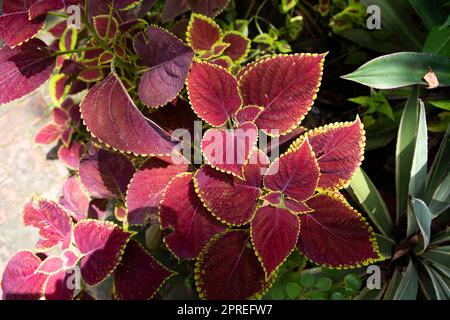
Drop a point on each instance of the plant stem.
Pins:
(57, 14)
(62, 53)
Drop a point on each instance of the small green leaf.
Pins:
(287, 5)
(324, 284)
(293, 290)
(278, 293)
(264, 38)
(316, 295)
(440, 168)
(283, 46)
(337, 296)
(352, 281)
(307, 280)
(442, 104)
(441, 197)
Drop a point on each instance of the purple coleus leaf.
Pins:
(71, 154)
(101, 27)
(173, 8)
(60, 286)
(20, 281)
(295, 174)
(182, 211)
(147, 186)
(24, 69)
(48, 134)
(228, 269)
(239, 45)
(101, 243)
(339, 149)
(285, 85)
(229, 150)
(277, 199)
(15, 25)
(168, 59)
(53, 222)
(213, 93)
(231, 199)
(333, 221)
(202, 33)
(247, 114)
(106, 174)
(42, 7)
(210, 8)
(274, 235)
(51, 265)
(138, 276)
(111, 116)
(75, 198)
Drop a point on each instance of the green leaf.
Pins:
(393, 285)
(362, 189)
(324, 284)
(420, 159)
(408, 285)
(429, 11)
(438, 42)
(368, 39)
(439, 256)
(427, 286)
(287, 5)
(293, 290)
(442, 237)
(283, 46)
(264, 38)
(316, 295)
(394, 19)
(337, 296)
(277, 293)
(386, 245)
(405, 151)
(353, 281)
(400, 70)
(437, 282)
(440, 168)
(423, 217)
(446, 23)
(442, 104)
(441, 198)
(370, 294)
(307, 280)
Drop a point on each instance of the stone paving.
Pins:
(24, 171)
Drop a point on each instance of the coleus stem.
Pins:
(62, 53)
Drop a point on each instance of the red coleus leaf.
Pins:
(210, 8)
(295, 174)
(48, 134)
(202, 33)
(277, 199)
(111, 116)
(75, 198)
(69, 258)
(20, 280)
(248, 114)
(53, 222)
(138, 276)
(58, 29)
(229, 150)
(228, 269)
(101, 26)
(173, 8)
(168, 59)
(106, 174)
(15, 25)
(285, 85)
(58, 88)
(60, 286)
(60, 117)
(239, 45)
(101, 243)
(224, 62)
(42, 7)
(182, 211)
(24, 69)
(51, 265)
(230, 199)
(339, 149)
(147, 186)
(213, 93)
(335, 222)
(274, 236)
(71, 155)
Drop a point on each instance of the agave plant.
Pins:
(417, 240)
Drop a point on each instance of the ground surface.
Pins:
(24, 170)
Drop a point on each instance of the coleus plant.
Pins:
(236, 218)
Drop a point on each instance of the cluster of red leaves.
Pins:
(239, 216)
